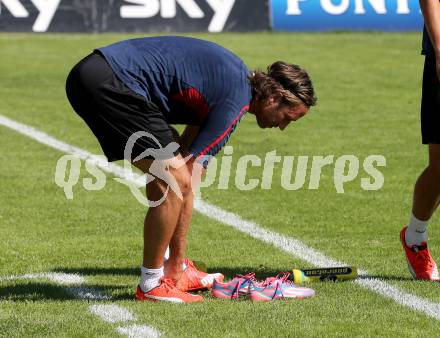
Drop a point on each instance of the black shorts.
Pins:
(430, 110)
(114, 112)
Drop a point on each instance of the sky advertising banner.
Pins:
(346, 15)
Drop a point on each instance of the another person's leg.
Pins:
(426, 198)
(427, 188)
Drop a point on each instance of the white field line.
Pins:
(109, 313)
(138, 331)
(56, 277)
(112, 313)
(84, 292)
(290, 245)
(78, 291)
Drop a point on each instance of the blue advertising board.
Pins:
(331, 15)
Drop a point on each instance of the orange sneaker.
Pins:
(194, 280)
(166, 291)
(420, 263)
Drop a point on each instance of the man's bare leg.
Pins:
(426, 198)
(173, 266)
(160, 221)
(427, 188)
(159, 224)
(178, 241)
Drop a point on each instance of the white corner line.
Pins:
(287, 244)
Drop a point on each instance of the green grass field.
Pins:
(368, 85)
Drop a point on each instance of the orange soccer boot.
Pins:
(420, 263)
(167, 291)
(194, 280)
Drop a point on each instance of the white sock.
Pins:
(416, 231)
(150, 278)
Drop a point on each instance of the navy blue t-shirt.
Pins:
(192, 81)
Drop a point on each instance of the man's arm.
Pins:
(216, 131)
(431, 14)
(187, 138)
(196, 169)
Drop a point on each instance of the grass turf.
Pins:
(368, 104)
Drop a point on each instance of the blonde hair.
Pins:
(289, 81)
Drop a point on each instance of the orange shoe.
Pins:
(166, 291)
(194, 280)
(420, 263)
